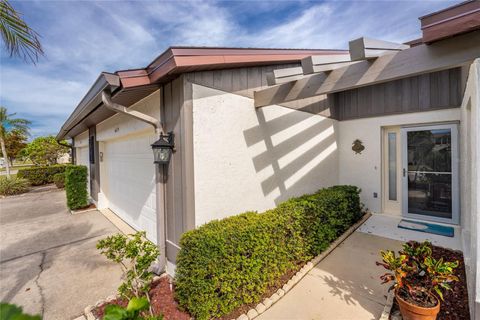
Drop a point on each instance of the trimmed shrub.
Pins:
(13, 185)
(76, 186)
(59, 180)
(231, 262)
(41, 175)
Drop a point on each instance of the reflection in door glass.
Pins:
(430, 172)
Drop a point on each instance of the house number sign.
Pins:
(357, 146)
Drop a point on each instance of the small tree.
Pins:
(135, 254)
(45, 150)
(7, 124)
(15, 142)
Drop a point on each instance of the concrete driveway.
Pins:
(48, 261)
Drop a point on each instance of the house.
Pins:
(205, 97)
(64, 158)
(254, 127)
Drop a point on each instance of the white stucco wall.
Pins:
(248, 159)
(470, 185)
(81, 140)
(364, 170)
(121, 125)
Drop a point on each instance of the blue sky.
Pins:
(83, 38)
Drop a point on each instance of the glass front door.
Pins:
(430, 167)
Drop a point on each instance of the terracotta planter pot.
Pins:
(413, 312)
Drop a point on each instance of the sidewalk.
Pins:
(345, 285)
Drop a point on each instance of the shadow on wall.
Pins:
(300, 150)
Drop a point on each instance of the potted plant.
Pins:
(418, 279)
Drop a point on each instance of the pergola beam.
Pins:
(321, 63)
(441, 55)
(312, 64)
(367, 48)
(279, 76)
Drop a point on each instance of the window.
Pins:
(392, 166)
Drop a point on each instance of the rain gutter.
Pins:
(105, 81)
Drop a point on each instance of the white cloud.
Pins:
(332, 24)
(81, 39)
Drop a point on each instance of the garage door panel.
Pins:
(131, 182)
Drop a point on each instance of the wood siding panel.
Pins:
(178, 117)
(173, 98)
(424, 92)
(187, 159)
(169, 216)
(177, 178)
(455, 94)
(94, 173)
(437, 90)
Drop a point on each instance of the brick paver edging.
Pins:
(388, 306)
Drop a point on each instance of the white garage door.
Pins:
(130, 179)
(83, 159)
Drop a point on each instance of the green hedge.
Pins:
(41, 175)
(228, 263)
(59, 180)
(76, 186)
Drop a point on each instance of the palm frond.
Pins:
(19, 122)
(8, 123)
(19, 39)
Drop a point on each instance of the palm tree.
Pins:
(19, 39)
(8, 124)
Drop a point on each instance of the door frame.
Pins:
(455, 172)
(392, 207)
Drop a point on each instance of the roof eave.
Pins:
(170, 64)
(452, 21)
(90, 101)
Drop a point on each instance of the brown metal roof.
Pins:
(461, 18)
(177, 60)
(130, 86)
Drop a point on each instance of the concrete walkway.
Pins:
(345, 285)
(48, 261)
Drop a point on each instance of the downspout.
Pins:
(160, 174)
(107, 101)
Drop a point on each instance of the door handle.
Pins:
(404, 172)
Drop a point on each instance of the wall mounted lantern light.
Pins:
(163, 148)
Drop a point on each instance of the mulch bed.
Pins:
(162, 301)
(455, 304)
